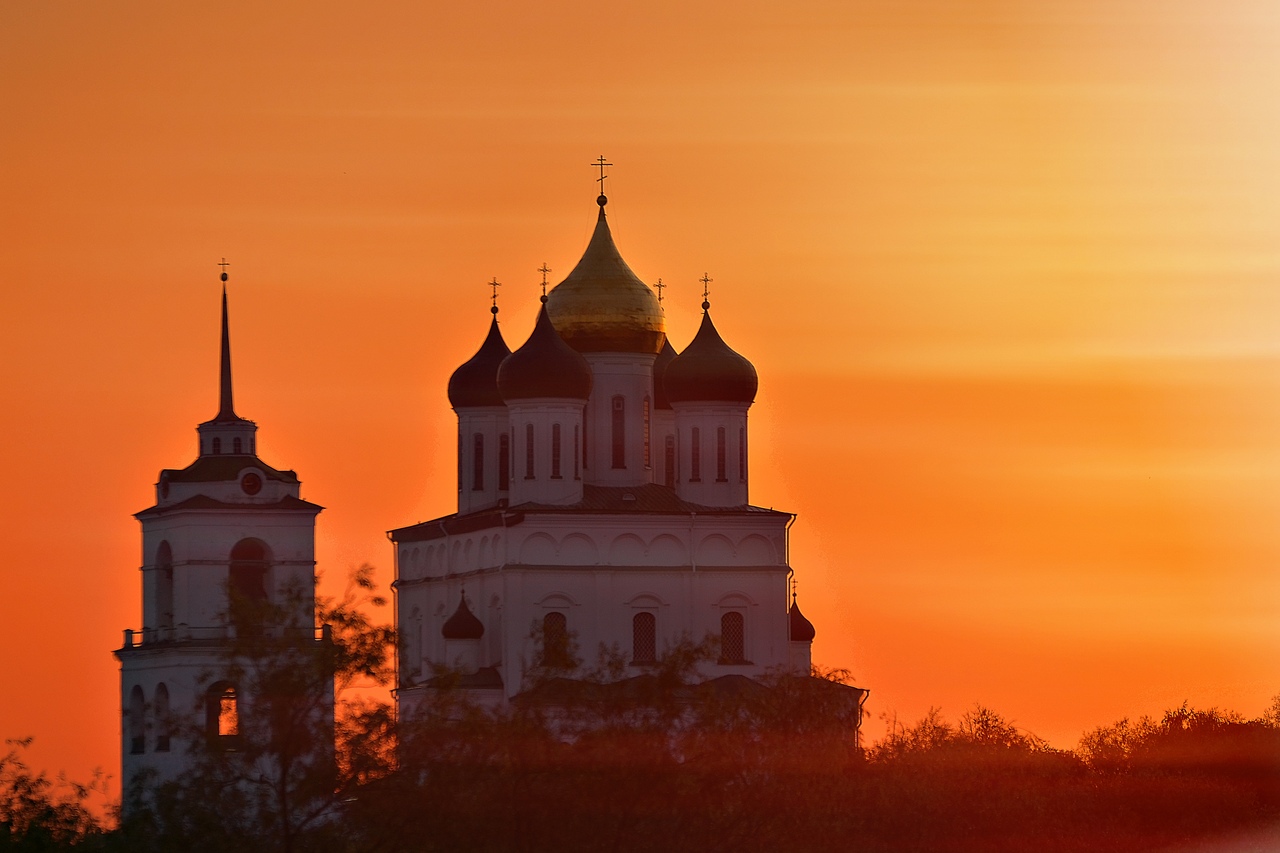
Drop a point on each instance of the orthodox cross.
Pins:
(706, 281)
(223, 263)
(600, 164)
(495, 284)
(660, 286)
(544, 269)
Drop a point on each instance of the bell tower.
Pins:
(228, 552)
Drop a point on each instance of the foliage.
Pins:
(39, 814)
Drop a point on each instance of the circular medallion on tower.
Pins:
(602, 306)
(251, 483)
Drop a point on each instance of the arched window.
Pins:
(644, 638)
(217, 445)
(619, 433)
(164, 588)
(528, 451)
(222, 716)
(504, 462)
(163, 724)
(669, 451)
(695, 455)
(462, 463)
(732, 638)
(477, 463)
(721, 472)
(237, 446)
(555, 451)
(577, 474)
(648, 453)
(137, 721)
(742, 454)
(249, 570)
(555, 641)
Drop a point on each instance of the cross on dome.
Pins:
(544, 269)
(223, 263)
(600, 163)
(706, 290)
(495, 284)
(659, 287)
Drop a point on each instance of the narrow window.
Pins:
(222, 716)
(477, 462)
(742, 454)
(247, 580)
(237, 447)
(619, 434)
(695, 455)
(137, 721)
(163, 726)
(555, 451)
(670, 461)
(504, 462)
(648, 454)
(217, 445)
(720, 456)
(577, 474)
(732, 638)
(528, 451)
(164, 588)
(555, 641)
(644, 638)
(462, 462)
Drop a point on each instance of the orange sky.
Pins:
(1008, 272)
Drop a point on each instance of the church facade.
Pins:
(603, 504)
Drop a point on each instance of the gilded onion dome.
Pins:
(602, 306)
(801, 628)
(544, 367)
(463, 624)
(660, 400)
(709, 372)
(475, 383)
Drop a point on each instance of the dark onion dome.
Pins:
(660, 363)
(801, 628)
(544, 367)
(602, 306)
(709, 372)
(475, 383)
(463, 624)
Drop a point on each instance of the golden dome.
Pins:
(602, 306)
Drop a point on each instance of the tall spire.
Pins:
(226, 411)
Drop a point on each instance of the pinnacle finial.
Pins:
(544, 269)
(495, 284)
(226, 409)
(706, 291)
(600, 164)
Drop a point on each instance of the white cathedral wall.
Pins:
(489, 422)
(548, 480)
(712, 475)
(201, 543)
(630, 377)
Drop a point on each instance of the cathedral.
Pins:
(603, 506)
(602, 503)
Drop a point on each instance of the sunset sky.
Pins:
(1009, 273)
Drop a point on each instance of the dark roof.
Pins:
(288, 503)
(475, 383)
(225, 468)
(660, 363)
(544, 367)
(463, 624)
(709, 371)
(485, 678)
(648, 498)
(801, 628)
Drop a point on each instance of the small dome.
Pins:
(660, 363)
(602, 306)
(801, 628)
(475, 383)
(709, 372)
(544, 367)
(463, 624)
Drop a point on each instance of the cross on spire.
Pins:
(495, 284)
(223, 263)
(600, 164)
(706, 290)
(660, 287)
(544, 269)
